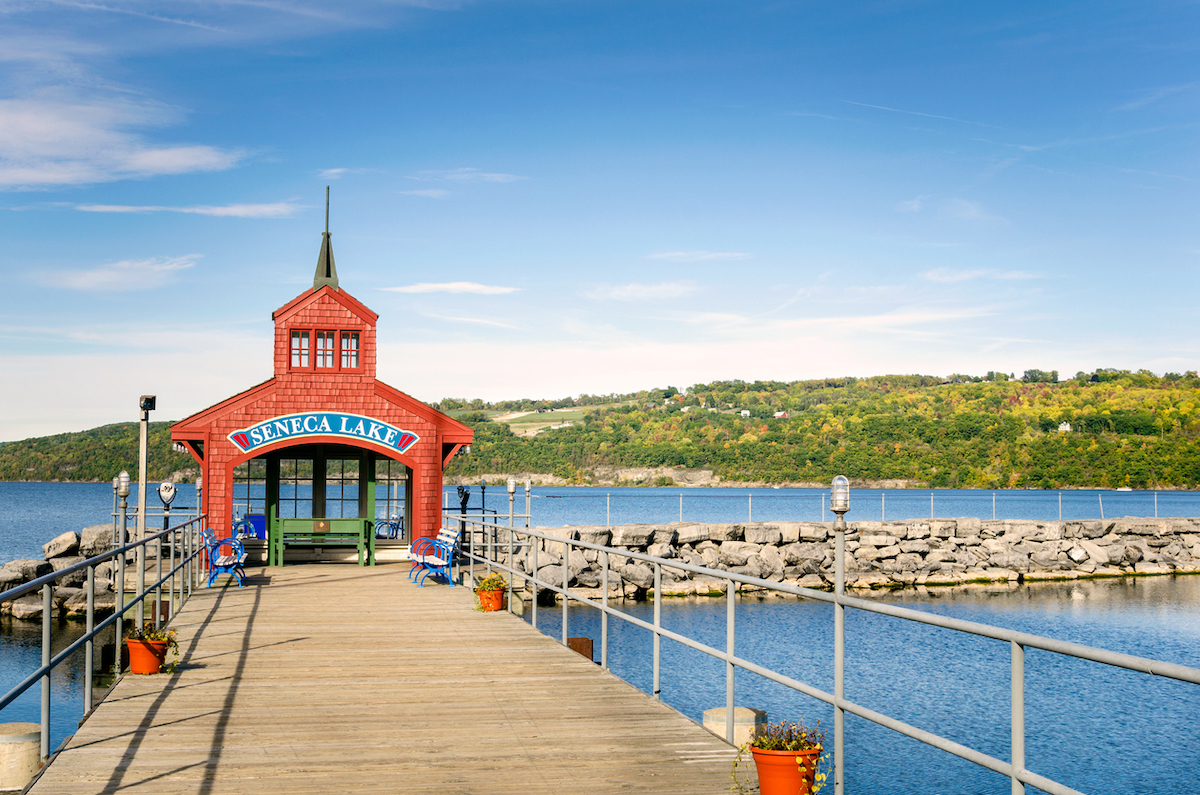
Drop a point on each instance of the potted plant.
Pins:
(490, 592)
(148, 648)
(787, 756)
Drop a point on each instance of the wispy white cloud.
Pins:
(637, 291)
(430, 193)
(476, 321)
(969, 211)
(276, 210)
(126, 275)
(911, 206)
(1150, 97)
(338, 173)
(48, 141)
(473, 288)
(917, 113)
(466, 175)
(950, 276)
(698, 256)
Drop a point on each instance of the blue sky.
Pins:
(550, 198)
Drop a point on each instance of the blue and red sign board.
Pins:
(323, 423)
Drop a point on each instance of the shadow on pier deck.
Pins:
(332, 678)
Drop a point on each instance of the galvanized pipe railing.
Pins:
(1014, 768)
(189, 568)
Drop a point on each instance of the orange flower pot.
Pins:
(146, 656)
(786, 772)
(491, 601)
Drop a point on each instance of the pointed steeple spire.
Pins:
(326, 270)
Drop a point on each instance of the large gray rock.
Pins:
(660, 551)
(639, 574)
(918, 546)
(1098, 554)
(73, 579)
(724, 532)
(691, 533)
(812, 531)
(1044, 559)
(27, 608)
(594, 534)
(26, 568)
(550, 575)
(576, 562)
(735, 553)
(917, 530)
(95, 539)
(796, 554)
(633, 536)
(663, 534)
(762, 533)
(789, 532)
(1013, 561)
(878, 540)
(65, 544)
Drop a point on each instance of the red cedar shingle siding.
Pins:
(355, 391)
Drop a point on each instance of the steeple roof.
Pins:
(326, 269)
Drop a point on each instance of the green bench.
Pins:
(357, 533)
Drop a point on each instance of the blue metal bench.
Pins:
(434, 557)
(231, 562)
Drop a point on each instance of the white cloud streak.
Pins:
(472, 288)
(49, 141)
(699, 256)
(636, 291)
(124, 276)
(466, 175)
(950, 276)
(276, 210)
(431, 193)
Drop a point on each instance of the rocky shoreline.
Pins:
(900, 554)
(70, 597)
(879, 555)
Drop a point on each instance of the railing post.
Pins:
(157, 578)
(730, 604)
(118, 625)
(534, 543)
(471, 554)
(566, 576)
(89, 660)
(1018, 716)
(657, 627)
(171, 589)
(47, 605)
(604, 614)
(511, 571)
(839, 659)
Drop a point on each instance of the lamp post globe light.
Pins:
(839, 497)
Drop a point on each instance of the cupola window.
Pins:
(349, 350)
(299, 349)
(325, 358)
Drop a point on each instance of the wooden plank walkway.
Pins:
(331, 678)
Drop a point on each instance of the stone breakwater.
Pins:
(70, 598)
(926, 552)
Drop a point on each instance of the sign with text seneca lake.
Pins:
(323, 423)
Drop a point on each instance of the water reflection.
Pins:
(954, 684)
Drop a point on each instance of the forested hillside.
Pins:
(97, 454)
(1127, 429)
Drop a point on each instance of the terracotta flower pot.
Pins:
(491, 601)
(786, 772)
(146, 656)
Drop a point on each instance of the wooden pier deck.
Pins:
(331, 678)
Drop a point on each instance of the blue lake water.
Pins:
(1089, 726)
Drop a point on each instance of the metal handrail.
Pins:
(189, 568)
(1018, 641)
